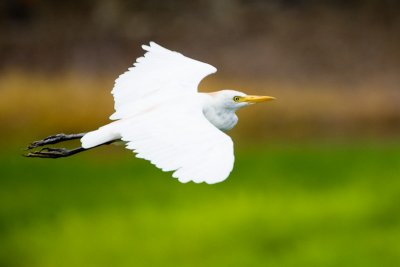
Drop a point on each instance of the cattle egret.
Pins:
(161, 116)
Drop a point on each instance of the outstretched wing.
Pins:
(157, 76)
(161, 119)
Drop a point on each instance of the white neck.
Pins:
(222, 117)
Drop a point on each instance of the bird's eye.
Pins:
(236, 99)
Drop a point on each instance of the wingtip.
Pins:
(146, 47)
(214, 69)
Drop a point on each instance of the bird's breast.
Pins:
(221, 118)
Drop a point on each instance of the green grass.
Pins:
(308, 205)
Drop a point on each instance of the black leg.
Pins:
(54, 139)
(54, 153)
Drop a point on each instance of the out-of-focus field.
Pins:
(316, 183)
(284, 205)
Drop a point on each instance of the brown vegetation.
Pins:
(43, 105)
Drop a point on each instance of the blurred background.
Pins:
(316, 181)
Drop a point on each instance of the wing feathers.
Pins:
(160, 116)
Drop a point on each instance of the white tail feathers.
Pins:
(100, 136)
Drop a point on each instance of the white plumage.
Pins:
(163, 119)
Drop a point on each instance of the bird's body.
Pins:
(161, 117)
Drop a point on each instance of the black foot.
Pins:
(54, 153)
(54, 139)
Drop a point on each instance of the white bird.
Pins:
(161, 116)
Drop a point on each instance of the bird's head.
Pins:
(231, 99)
